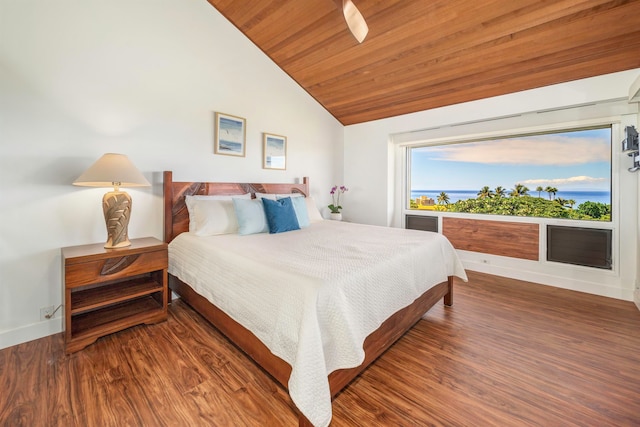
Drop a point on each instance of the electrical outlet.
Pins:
(46, 311)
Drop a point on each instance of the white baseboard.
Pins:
(636, 298)
(30, 332)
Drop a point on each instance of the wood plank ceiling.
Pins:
(423, 54)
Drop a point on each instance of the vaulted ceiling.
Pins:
(423, 54)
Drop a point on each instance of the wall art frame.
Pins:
(230, 133)
(274, 151)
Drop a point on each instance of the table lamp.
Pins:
(114, 170)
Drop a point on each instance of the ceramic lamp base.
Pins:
(117, 210)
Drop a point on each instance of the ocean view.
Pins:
(578, 196)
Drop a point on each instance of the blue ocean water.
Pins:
(578, 196)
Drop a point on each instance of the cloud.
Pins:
(538, 150)
(572, 181)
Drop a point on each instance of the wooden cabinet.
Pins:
(108, 290)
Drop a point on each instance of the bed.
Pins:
(319, 332)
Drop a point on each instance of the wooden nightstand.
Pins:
(108, 290)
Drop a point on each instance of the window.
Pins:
(564, 174)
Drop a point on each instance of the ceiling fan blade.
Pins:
(355, 20)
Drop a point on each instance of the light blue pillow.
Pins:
(280, 214)
(300, 206)
(251, 216)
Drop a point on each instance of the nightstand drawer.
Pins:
(103, 270)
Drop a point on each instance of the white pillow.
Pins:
(265, 196)
(312, 210)
(191, 202)
(271, 196)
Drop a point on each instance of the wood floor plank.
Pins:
(508, 353)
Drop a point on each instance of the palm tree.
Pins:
(571, 202)
(551, 191)
(500, 191)
(443, 198)
(539, 189)
(485, 192)
(519, 190)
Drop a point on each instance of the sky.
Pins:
(569, 161)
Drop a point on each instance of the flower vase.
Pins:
(336, 216)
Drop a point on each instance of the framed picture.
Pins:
(230, 135)
(274, 151)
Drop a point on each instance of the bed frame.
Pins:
(176, 221)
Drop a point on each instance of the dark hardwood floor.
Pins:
(508, 353)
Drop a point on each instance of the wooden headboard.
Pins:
(176, 217)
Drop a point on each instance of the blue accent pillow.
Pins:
(300, 206)
(251, 216)
(280, 214)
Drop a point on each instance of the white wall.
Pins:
(377, 197)
(79, 78)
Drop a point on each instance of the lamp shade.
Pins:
(112, 170)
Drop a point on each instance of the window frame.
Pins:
(503, 127)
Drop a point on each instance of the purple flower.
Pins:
(335, 196)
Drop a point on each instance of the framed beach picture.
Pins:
(274, 151)
(230, 135)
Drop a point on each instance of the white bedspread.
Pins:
(313, 295)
